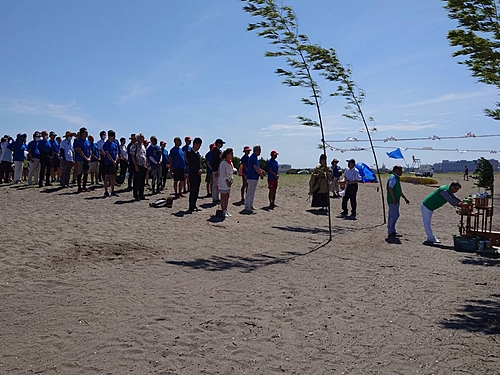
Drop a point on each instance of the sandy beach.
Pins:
(111, 286)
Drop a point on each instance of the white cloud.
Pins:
(407, 127)
(135, 91)
(66, 112)
(447, 98)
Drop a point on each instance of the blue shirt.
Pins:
(55, 148)
(272, 165)
(252, 173)
(244, 161)
(208, 157)
(336, 171)
(177, 156)
(164, 161)
(44, 146)
(33, 149)
(17, 150)
(129, 154)
(84, 144)
(112, 148)
(95, 152)
(155, 152)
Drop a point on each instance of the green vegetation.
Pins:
(485, 175)
(478, 36)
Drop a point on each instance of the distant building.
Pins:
(459, 165)
(283, 168)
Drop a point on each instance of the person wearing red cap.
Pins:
(272, 167)
(244, 171)
(185, 149)
(254, 173)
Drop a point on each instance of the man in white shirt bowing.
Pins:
(352, 178)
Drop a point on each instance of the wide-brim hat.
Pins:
(247, 148)
(69, 134)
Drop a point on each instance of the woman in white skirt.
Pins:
(225, 179)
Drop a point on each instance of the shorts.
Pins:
(56, 163)
(179, 174)
(225, 191)
(94, 167)
(109, 169)
(208, 177)
(272, 184)
(79, 166)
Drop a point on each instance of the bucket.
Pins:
(170, 202)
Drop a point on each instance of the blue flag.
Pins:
(396, 154)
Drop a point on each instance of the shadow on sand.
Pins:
(477, 316)
(242, 263)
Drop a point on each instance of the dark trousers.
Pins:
(100, 175)
(350, 195)
(164, 174)
(123, 167)
(65, 172)
(82, 177)
(45, 164)
(131, 173)
(194, 189)
(155, 174)
(5, 168)
(139, 177)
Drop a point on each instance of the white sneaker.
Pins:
(228, 214)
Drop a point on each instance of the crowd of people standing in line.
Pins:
(47, 159)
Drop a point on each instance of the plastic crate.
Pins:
(465, 243)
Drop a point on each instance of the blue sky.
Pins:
(176, 68)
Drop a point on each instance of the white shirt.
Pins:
(391, 182)
(352, 175)
(225, 173)
(100, 145)
(6, 153)
(123, 152)
(67, 146)
(139, 151)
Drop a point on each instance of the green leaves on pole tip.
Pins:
(307, 121)
(478, 39)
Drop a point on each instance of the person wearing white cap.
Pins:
(67, 158)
